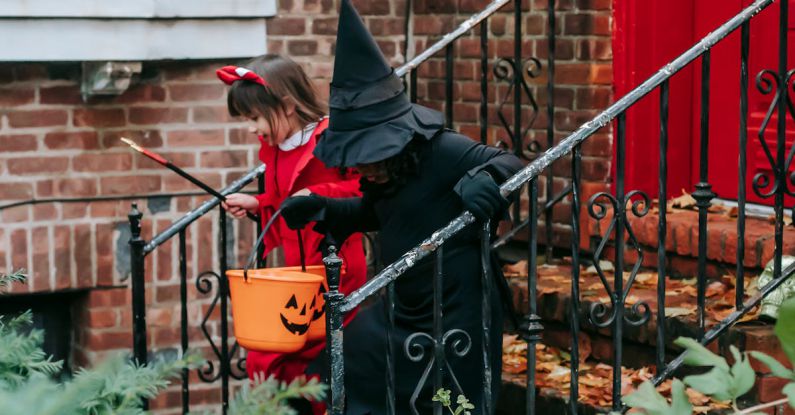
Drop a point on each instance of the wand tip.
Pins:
(131, 143)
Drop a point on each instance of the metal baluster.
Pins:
(485, 262)
(438, 329)
(739, 286)
(662, 229)
(517, 99)
(574, 316)
(781, 172)
(413, 86)
(531, 325)
(390, 349)
(484, 81)
(618, 280)
(261, 224)
(703, 194)
(550, 122)
(223, 288)
(334, 333)
(183, 314)
(138, 283)
(448, 85)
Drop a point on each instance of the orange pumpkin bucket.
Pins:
(317, 325)
(278, 309)
(271, 308)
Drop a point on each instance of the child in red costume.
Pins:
(283, 110)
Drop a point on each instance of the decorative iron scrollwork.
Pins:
(504, 72)
(458, 342)
(601, 314)
(205, 285)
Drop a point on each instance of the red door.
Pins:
(651, 33)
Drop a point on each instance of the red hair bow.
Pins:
(230, 74)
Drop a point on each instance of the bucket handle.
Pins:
(255, 249)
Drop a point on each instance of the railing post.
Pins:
(531, 327)
(334, 332)
(137, 285)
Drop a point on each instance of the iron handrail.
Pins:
(447, 39)
(532, 170)
(205, 207)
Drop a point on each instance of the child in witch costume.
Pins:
(416, 177)
(283, 110)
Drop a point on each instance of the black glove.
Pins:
(297, 211)
(481, 195)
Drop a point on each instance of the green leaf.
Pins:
(789, 390)
(776, 368)
(698, 355)
(648, 399)
(714, 383)
(785, 328)
(680, 404)
(743, 376)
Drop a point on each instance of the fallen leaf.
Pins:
(686, 201)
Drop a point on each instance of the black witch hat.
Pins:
(371, 118)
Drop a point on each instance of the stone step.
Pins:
(639, 343)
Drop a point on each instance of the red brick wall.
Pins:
(53, 145)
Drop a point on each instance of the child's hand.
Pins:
(302, 192)
(237, 204)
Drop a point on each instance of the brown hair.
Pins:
(284, 78)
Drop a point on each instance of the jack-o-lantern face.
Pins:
(319, 312)
(295, 328)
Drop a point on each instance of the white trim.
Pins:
(143, 9)
(130, 40)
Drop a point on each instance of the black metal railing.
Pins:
(615, 315)
(208, 283)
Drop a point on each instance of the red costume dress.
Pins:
(288, 172)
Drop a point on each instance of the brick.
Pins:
(241, 136)
(96, 117)
(593, 4)
(102, 318)
(367, 7)
(123, 185)
(142, 93)
(62, 266)
(18, 239)
(386, 26)
(11, 191)
(82, 140)
(114, 297)
(11, 97)
(221, 159)
(196, 138)
(196, 92)
(158, 115)
(45, 212)
(147, 138)
(102, 162)
(37, 118)
(76, 187)
(174, 183)
(290, 26)
(109, 340)
(323, 26)
(15, 143)
(38, 165)
(39, 275)
(61, 94)
(593, 98)
(84, 267)
(594, 49)
(74, 210)
(302, 47)
(218, 114)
